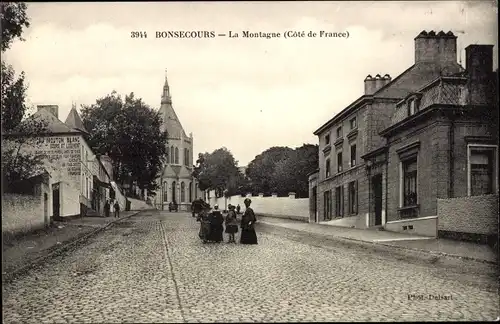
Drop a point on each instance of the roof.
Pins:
(170, 120)
(74, 121)
(411, 80)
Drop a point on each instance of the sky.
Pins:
(245, 94)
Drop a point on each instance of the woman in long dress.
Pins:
(248, 235)
(216, 225)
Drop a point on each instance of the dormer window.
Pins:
(412, 107)
(327, 139)
(353, 123)
(339, 132)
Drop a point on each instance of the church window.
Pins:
(188, 160)
(167, 155)
(183, 192)
(185, 156)
(174, 185)
(176, 155)
(172, 154)
(165, 191)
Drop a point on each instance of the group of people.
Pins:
(212, 223)
(116, 208)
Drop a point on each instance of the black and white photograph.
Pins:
(250, 162)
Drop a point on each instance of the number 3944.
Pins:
(136, 34)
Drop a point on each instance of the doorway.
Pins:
(56, 206)
(314, 203)
(377, 198)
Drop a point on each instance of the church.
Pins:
(176, 183)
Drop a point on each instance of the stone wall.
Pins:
(475, 214)
(22, 213)
(281, 207)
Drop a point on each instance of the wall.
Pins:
(22, 213)
(475, 214)
(297, 208)
(425, 226)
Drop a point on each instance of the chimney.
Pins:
(373, 84)
(437, 48)
(479, 66)
(53, 109)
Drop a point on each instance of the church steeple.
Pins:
(166, 98)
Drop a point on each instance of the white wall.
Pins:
(275, 206)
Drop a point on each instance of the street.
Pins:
(153, 268)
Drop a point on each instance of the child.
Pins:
(231, 224)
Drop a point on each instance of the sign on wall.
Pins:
(64, 151)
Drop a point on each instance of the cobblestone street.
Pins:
(153, 268)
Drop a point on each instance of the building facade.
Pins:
(79, 181)
(176, 181)
(367, 151)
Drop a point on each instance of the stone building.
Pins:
(176, 181)
(360, 183)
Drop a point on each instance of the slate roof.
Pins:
(74, 121)
(170, 120)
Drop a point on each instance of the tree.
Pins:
(260, 171)
(13, 21)
(217, 171)
(16, 164)
(129, 131)
(291, 174)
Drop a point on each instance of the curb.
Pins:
(390, 246)
(10, 276)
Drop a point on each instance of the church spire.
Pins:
(166, 98)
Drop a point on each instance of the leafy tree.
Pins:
(291, 174)
(13, 21)
(17, 129)
(260, 171)
(129, 132)
(217, 171)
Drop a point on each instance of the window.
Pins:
(185, 156)
(172, 154)
(412, 107)
(481, 166)
(353, 155)
(188, 160)
(328, 205)
(353, 123)
(173, 192)
(410, 182)
(339, 162)
(339, 201)
(167, 155)
(165, 191)
(353, 197)
(339, 132)
(327, 139)
(327, 167)
(183, 192)
(176, 155)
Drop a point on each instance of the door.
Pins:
(377, 198)
(45, 209)
(314, 203)
(328, 206)
(55, 203)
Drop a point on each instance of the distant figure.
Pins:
(231, 224)
(216, 225)
(117, 209)
(238, 208)
(107, 208)
(248, 235)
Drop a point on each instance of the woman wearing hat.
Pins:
(248, 235)
(216, 225)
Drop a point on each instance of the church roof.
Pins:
(74, 121)
(170, 120)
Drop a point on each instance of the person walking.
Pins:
(117, 209)
(231, 224)
(248, 235)
(107, 208)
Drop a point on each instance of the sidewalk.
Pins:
(466, 250)
(23, 251)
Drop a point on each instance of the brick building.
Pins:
(366, 170)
